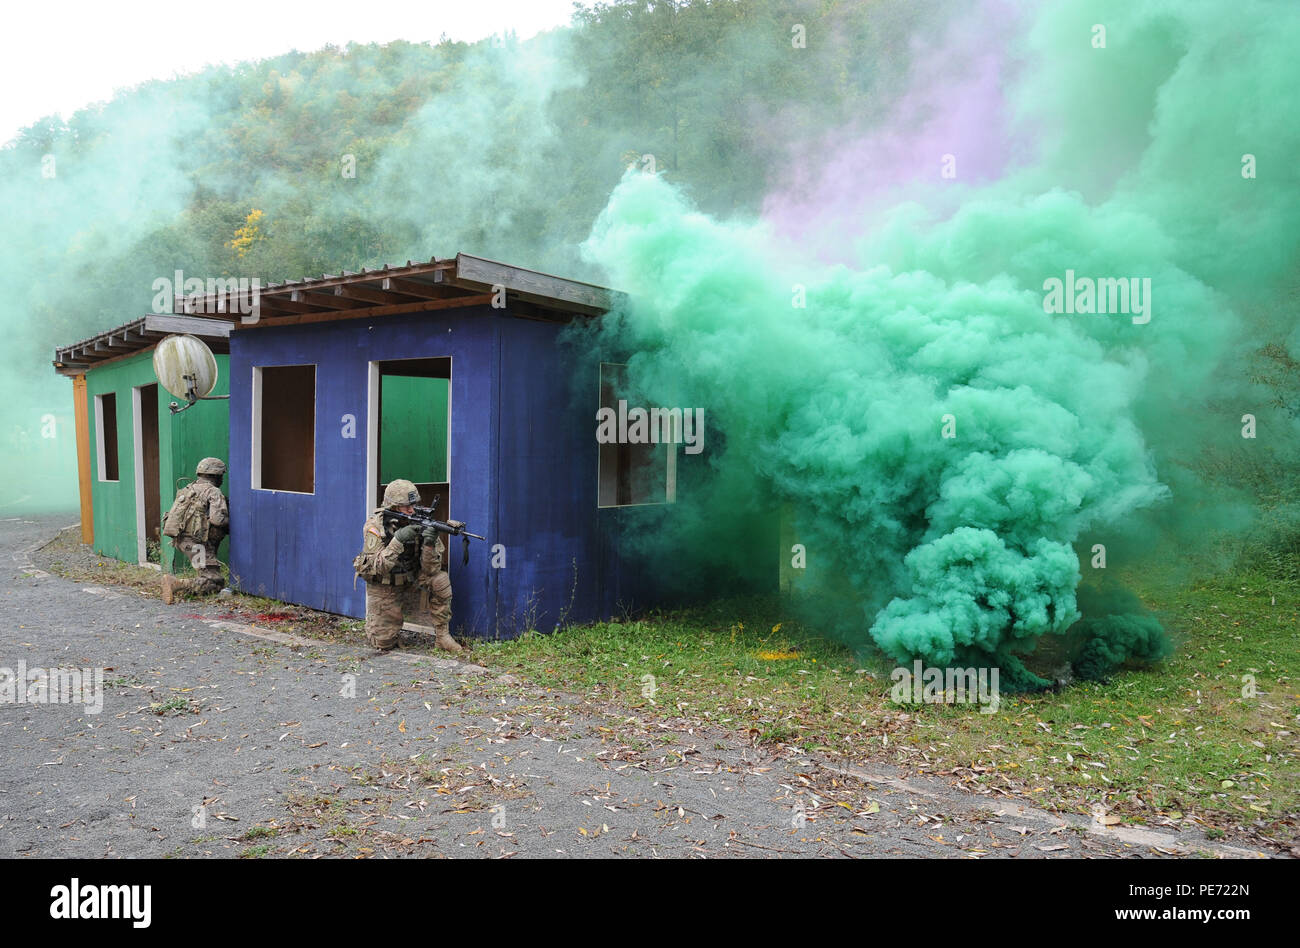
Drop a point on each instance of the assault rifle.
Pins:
(424, 518)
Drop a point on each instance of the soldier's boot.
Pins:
(168, 588)
(442, 638)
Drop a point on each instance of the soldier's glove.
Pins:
(430, 536)
(407, 534)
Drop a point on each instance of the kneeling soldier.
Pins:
(197, 522)
(403, 574)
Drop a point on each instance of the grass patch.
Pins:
(1208, 736)
(122, 681)
(177, 705)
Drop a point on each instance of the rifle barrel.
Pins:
(423, 517)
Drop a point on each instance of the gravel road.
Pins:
(222, 739)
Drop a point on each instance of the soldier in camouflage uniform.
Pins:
(197, 522)
(404, 575)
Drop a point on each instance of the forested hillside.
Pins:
(503, 148)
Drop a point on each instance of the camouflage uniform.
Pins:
(209, 578)
(202, 533)
(405, 587)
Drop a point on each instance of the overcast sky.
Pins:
(59, 56)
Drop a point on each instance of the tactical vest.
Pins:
(405, 571)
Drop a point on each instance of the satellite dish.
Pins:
(186, 367)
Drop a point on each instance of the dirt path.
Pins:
(223, 739)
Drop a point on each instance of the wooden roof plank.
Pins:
(193, 325)
(480, 273)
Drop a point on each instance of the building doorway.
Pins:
(148, 512)
(409, 431)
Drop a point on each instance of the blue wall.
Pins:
(523, 471)
(562, 552)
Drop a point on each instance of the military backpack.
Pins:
(188, 516)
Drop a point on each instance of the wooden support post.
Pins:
(81, 415)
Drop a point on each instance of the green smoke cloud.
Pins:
(960, 549)
(1118, 628)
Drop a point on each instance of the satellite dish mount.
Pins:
(186, 367)
(192, 395)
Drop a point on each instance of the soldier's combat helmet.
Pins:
(211, 466)
(400, 492)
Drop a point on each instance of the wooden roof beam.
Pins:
(440, 289)
(322, 300)
(369, 294)
(209, 306)
(282, 305)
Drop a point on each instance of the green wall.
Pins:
(413, 429)
(183, 441)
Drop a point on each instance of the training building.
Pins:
(450, 374)
(133, 454)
